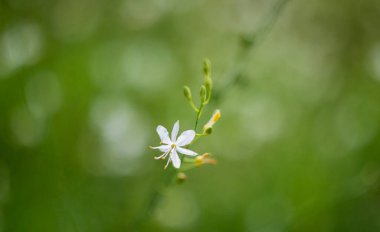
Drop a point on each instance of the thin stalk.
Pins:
(193, 106)
(198, 116)
(154, 199)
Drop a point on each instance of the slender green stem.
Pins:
(199, 114)
(154, 199)
(193, 106)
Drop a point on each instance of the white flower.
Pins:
(172, 146)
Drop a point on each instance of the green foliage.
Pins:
(83, 84)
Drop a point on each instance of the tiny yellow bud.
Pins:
(187, 92)
(216, 116)
(204, 159)
(198, 160)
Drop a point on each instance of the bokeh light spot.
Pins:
(356, 121)
(20, 45)
(74, 21)
(138, 64)
(374, 62)
(264, 118)
(123, 133)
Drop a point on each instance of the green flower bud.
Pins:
(206, 67)
(208, 131)
(187, 92)
(203, 94)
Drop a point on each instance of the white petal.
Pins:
(163, 148)
(175, 159)
(185, 138)
(186, 151)
(164, 134)
(175, 131)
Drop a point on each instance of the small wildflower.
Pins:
(173, 145)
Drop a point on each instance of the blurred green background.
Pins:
(84, 83)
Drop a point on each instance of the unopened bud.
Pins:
(208, 130)
(214, 118)
(187, 92)
(181, 177)
(206, 67)
(199, 160)
(203, 93)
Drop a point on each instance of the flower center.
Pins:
(173, 146)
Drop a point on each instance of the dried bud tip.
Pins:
(205, 155)
(204, 159)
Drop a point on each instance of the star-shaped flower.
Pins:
(172, 146)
